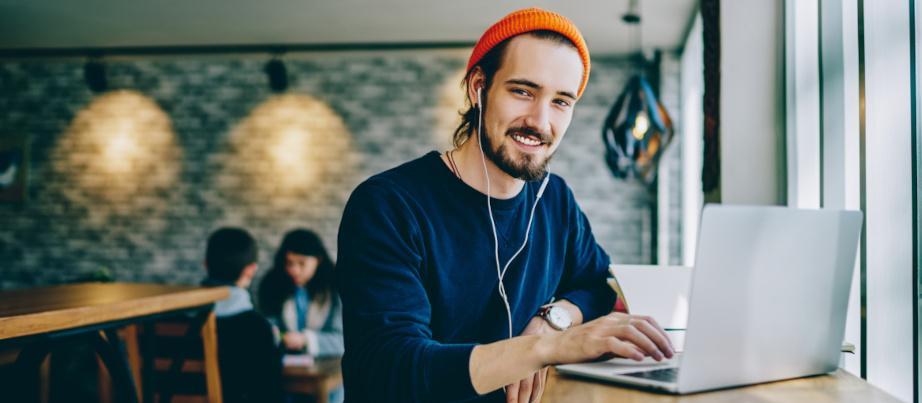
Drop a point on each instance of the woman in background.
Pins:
(298, 297)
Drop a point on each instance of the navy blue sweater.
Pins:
(417, 277)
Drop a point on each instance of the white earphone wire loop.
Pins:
(501, 272)
(486, 175)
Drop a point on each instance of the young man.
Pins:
(444, 259)
(249, 361)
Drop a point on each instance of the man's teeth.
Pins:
(525, 140)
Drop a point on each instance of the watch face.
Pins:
(559, 317)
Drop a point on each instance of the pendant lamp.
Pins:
(637, 128)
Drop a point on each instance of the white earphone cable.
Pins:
(501, 272)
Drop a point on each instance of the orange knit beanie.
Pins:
(527, 20)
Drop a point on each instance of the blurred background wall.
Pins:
(131, 181)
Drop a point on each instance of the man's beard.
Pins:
(527, 168)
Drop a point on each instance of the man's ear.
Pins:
(250, 270)
(246, 277)
(475, 80)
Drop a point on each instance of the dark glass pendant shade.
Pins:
(636, 132)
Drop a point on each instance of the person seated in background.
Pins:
(297, 296)
(248, 357)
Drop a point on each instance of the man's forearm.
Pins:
(501, 363)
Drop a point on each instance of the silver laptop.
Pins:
(768, 301)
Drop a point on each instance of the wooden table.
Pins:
(37, 319)
(840, 386)
(317, 379)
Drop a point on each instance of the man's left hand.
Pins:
(531, 388)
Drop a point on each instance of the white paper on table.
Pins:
(298, 360)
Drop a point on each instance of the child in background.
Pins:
(298, 296)
(248, 358)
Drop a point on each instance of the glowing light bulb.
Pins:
(289, 149)
(120, 152)
(641, 125)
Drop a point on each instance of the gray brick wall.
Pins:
(134, 180)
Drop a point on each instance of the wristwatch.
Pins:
(559, 318)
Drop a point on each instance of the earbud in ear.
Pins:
(478, 97)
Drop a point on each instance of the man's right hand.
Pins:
(623, 335)
(504, 362)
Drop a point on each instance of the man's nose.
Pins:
(539, 118)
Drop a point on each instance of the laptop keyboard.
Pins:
(661, 375)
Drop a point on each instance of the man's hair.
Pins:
(490, 64)
(229, 251)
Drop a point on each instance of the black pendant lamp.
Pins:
(637, 128)
(277, 74)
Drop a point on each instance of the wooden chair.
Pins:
(151, 351)
(8, 358)
(129, 338)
